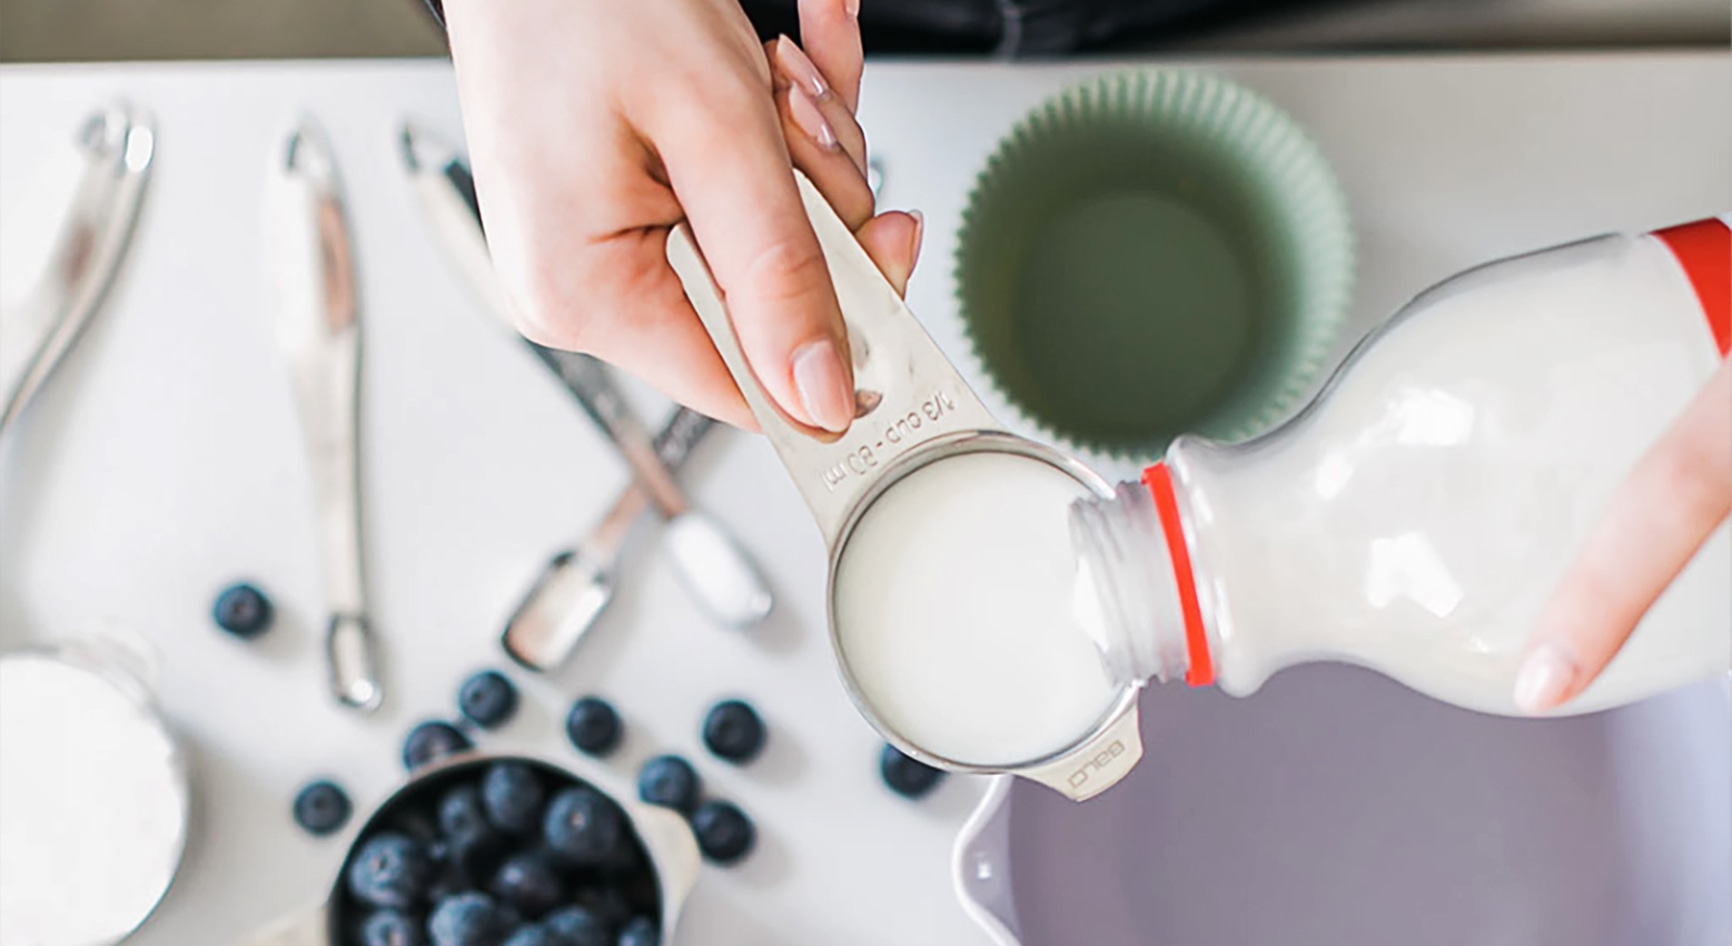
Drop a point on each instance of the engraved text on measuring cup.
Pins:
(890, 438)
(1096, 763)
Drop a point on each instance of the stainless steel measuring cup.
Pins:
(666, 840)
(913, 409)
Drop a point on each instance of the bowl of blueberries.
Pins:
(480, 850)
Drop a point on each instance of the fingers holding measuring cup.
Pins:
(671, 111)
(826, 142)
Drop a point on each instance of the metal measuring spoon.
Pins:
(714, 568)
(320, 338)
(116, 145)
(577, 584)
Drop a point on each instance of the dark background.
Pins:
(75, 30)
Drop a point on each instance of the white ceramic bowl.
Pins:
(1336, 807)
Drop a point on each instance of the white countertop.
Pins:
(163, 460)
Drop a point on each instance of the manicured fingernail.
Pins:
(823, 385)
(811, 120)
(799, 68)
(919, 235)
(1543, 679)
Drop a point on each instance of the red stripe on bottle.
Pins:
(1704, 249)
(1201, 671)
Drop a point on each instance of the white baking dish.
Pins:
(1337, 808)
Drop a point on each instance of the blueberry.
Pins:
(512, 795)
(431, 740)
(576, 926)
(322, 808)
(734, 731)
(452, 880)
(582, 827)
(724, 832)
(907, 776)
(469, 919)
(390, 870)
(608, 903)
(419, 824)
(532, 935)
(470, 859)
(391, 928)
(593, 726)
(487, 699)
(641, 931)
(243, 610)
(670, 781)
(529, 882)
(461, 814)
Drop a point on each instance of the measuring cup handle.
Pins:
(906, 392)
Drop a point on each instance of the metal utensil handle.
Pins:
(322, 338)
(119, 143)
(591, 383)
(907, 393)
(673, 444)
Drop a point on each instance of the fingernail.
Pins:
(919, 235)
(1543, 679)
(799, 68)
(811, 120)
(853, 7)
(823, 385)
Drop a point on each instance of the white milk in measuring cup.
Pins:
(951, 569)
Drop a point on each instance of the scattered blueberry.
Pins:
(529, 882)
(243, 610)
(532, 935)
(390, 870)
(641, 931)
(322, 808)
(576, 926)
(434, 739)
(469, 919)
(512, 796)
(487, 699)
(670, 781)
(391, 928)
(593, 726)
(582, 827)
(724, 832)
(734, 731)
(907, 776)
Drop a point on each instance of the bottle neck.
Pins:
(1136, 591)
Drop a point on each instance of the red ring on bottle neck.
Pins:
(1200, 671)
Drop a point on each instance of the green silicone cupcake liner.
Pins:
(1152, 253)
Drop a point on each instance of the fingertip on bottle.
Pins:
(1544, 680)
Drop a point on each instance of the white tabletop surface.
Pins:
(162, 461)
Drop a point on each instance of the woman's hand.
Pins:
(1677, 495)
(595, 126)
